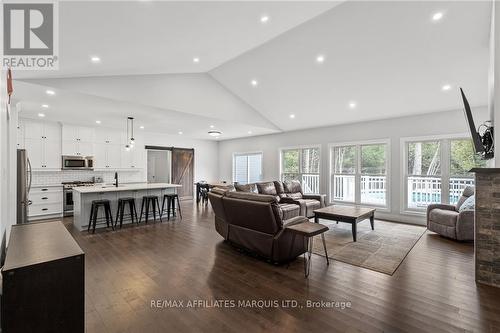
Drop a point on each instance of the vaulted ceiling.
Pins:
(379, 60)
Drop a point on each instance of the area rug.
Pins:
(381, 250)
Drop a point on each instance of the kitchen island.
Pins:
(83, 197)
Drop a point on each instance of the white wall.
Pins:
(450, 122)
(494, 75)
(8, 132)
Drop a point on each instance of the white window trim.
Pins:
(280, 151)
(357, 199)
(445, 170)
(244, 154)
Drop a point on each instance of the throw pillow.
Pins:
(469, 204)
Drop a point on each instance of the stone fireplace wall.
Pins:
(487, 226)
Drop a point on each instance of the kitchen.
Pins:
(62, 157)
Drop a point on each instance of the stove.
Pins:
(68, 195)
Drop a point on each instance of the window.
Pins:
(301, 164)
(247, 167)
(437, 171)
(462, 159)
(424, 174)
(359, 173)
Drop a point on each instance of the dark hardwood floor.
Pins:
(433, 290)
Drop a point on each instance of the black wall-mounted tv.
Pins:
(483, 144)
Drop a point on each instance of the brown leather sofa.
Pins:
(292, 193)
(254, 222)
(289, 196)
(287, 209)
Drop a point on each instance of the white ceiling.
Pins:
(84, 109)
(152, 37)
(388, 57)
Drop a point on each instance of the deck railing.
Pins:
(422, 190)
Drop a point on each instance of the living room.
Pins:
(238, 165)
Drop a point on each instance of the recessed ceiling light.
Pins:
(352, 105)
(264, 18)
(249, 132)
(180, 132)
(141, 127)
(214, 133)
(292, 116)
(212, 126)
(41, 115)
(50, 92)
(196, 60)
(95, 59)
(446, 87)
(437, 16)
(45, 106)
(97, 121)
(254, 83)
(320, 59)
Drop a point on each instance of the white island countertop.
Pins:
(123, 187)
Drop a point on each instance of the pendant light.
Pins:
(130, 134)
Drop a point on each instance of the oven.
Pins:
(68, 204)
(67, 200)
(77, 162)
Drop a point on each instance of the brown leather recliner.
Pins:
(254, 222)
(291, 192)
(288, 209)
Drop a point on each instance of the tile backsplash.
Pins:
(57, 177)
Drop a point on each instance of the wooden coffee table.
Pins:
(347, 214)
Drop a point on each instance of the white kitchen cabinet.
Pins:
(108, 136)
(43, 145)
(45, 201)
(52, 154)
(77, 140)
(35, 152)
(33, 129)
(77, 148)
(132, 159)
(114, 156)
(100, 156)
(20, 134)
(77, 133)
(107, 156)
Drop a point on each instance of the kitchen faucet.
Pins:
(116, 179)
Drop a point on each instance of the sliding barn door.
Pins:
(183, 171)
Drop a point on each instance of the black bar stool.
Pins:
(122, 202)
(94, 210)
(171, 198)
(146, 201)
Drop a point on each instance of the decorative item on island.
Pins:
(487, 226)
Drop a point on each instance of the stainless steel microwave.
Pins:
(77, 162)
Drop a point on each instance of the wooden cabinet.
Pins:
(77, 140)
(42, 141)
(43, 288)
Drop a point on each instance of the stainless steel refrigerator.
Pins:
(23, 185)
